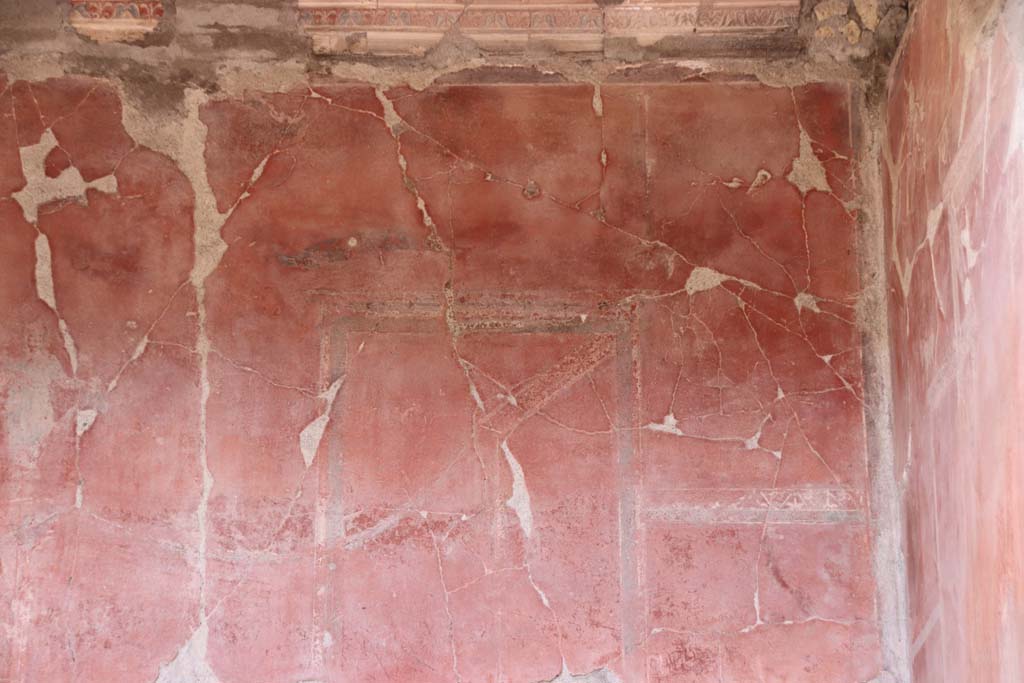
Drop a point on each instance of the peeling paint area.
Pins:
(489, 380)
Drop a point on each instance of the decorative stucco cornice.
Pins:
(411, 27)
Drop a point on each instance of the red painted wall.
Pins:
(955, 166)
(483, 383)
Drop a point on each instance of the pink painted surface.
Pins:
(955, 168)
(490, 382)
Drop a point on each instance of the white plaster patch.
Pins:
(44, 272)
(598, 103)
(140, 349)
(668, 425)
(209, 245)
(763, 176)
(83, 421)
(190, 664)
(808, 173)
(519, 501)
(40, 189)
(311, 435)
(806, 300)
(702, 279)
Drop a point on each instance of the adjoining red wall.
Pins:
(485, 382)
(955, 168)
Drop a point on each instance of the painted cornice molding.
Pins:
(384, 26)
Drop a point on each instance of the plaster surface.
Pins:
(489, 380)
(954, 164)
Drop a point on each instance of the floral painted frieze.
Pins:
(115, 20)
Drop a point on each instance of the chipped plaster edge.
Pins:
(235, 74)
(885, 495)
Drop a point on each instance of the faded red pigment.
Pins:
(955, 169)
(486, 383)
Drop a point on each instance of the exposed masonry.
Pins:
(184, 144)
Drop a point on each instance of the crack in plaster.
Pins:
(447, 600)
(312, 434)
(84, 419)
(209, 248)
(704, 272)
(905, 267)
(670, 425)
(561, 676)
(396, 126)
(146, 341)
(44, 290)
(757, 246)
(185, 144)
(807, 164)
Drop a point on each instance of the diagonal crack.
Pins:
(396, 125)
